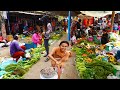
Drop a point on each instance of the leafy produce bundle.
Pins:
(101, 69)
(57, 35)
(9, 75)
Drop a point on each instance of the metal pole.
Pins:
(69, 24)
(8, 22)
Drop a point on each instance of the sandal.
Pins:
(47, 59)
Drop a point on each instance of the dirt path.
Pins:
(69, 70)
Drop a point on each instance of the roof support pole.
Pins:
(69, 24)
(8, 22)
(112, 20)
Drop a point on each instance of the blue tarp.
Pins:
(2, 73)
(5, 63)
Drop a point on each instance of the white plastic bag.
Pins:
(114, 50)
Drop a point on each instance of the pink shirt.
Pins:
(119, 27)
(36, 38)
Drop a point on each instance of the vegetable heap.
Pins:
(87, 65)
(16, 71)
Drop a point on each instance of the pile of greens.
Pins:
(96, 69)
(57, 35)
(16, 71)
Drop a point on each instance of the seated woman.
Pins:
(59, 56)
(36, 38)
(15, 50)
(105, 37)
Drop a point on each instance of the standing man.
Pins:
(47, 37)
(78, 32)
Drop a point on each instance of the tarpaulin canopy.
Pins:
(64, 13)
(30, 13)
(98, 13)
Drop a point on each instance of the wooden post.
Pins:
(112, 20)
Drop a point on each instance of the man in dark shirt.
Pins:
(21, 26)
(78, 32)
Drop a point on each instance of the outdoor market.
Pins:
(60, 44)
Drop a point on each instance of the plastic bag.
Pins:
(113, 36)
(114, 50)
(111, 76)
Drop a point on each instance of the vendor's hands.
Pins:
(58, 62)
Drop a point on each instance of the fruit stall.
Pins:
(96, 61)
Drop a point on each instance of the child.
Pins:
(73, 39)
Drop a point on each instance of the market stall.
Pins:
(96, 61)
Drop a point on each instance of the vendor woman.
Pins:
(36, 39)
(15, 50)
(60, 55)
(105, 37)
